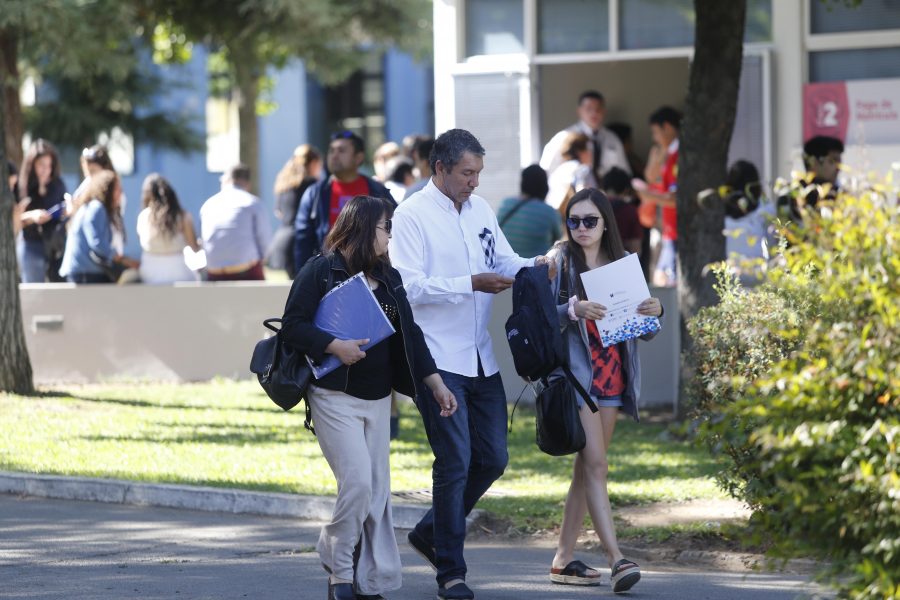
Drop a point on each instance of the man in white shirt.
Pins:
(453, 257)
(235, 229)
(607, 149)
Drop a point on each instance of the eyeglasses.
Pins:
(342, 135)
(387, 226)
(574, 223)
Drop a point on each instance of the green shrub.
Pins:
(798, 389)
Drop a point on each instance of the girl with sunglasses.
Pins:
(612, 376)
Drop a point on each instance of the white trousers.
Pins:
(354, 436)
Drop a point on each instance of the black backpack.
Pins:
(532, 330)
(538, 349)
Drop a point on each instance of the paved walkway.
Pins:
(63, 549)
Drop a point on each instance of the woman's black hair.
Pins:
(165, 210)
(744, 197)
(610, 243)
(353, 234)
(28, 183)
(534, 182)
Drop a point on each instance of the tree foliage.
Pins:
(85, 56)
(331, 36)
(800, 392)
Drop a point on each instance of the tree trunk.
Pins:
(709, 114)
(9, 70)
(247, 77)
(15, 365)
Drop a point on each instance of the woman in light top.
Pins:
(164, 230)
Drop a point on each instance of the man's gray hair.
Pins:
(451, 145)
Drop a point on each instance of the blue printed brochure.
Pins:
(350, 311)
(620, 287)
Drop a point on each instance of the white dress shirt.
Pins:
(437, 250)
(612, 154)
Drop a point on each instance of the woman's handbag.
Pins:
(282, 371)
(557, 422)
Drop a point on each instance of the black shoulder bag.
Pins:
(282, 371)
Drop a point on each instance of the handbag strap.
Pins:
(515, 209)
(581, 391)
(564, 293)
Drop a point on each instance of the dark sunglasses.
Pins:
(342, 135)
(387, 226)
(574, 223)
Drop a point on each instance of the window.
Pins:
(841, 65)
(222, 134)
(836, 17)
(358, 104)
(670, 23)
(494, 27)
(573, 26)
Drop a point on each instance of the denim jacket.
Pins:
(576, 338)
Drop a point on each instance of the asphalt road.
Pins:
(53, 549)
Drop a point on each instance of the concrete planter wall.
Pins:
(197, 331)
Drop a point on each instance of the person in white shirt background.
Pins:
(453, 257)
(607, 150)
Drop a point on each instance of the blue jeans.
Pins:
(32, 261)
(469, 455)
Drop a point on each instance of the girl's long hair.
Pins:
(610, 243)
(102, 186)
(296, 169)
(353, 235)
(165, 210)
(28, 183)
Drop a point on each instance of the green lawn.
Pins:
(226, 433)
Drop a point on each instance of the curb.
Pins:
(727, 561)
(118, 491)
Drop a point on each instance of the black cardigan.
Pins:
(298, 330)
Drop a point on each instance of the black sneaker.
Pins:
(422, 548)
(460, 591)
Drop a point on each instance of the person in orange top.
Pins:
(665, 124)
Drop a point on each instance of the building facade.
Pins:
(512, 70)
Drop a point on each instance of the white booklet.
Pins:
(620, 287)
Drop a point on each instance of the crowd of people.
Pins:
(434, 254)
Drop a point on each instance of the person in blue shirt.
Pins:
(89, 256)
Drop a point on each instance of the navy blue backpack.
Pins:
(538, 349)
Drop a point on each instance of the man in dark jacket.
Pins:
(322, 202)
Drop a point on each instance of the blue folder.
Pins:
(350, 311)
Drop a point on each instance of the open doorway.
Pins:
(633, 89)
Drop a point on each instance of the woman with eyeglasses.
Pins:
(351, 406)
(612, 377)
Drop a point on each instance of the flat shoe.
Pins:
(575, 573)
(422, 548)
(341, 591)
(625, 574)
(460, 591)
